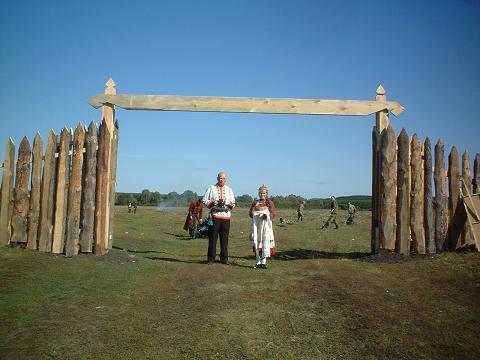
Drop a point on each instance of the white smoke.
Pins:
(166, 205)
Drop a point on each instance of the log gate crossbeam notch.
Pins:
(246, 105)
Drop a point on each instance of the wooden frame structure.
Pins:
(110, 100)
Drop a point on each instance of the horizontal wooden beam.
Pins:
(246, 105)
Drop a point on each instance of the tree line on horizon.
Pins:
(174, 199)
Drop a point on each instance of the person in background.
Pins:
(333, 214)
(194, 217)
(220, 200)
(300, 211)
(352, 210)
(262, 212)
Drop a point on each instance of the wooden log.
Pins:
(402, 241)
(104, 161)
(388, 189)
(466, 235)
(374, 231)
(454, 209)
(113, 183)
(61, 193)
(428, 215)
(21, 195)
(36, 183)
(246, 105)
(47, 199)
(102, 194)
(416, 197)
(6, 198)
(476, 174)
(89, 185)
(441, 200)
(75, 193)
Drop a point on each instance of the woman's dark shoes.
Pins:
(260, 266)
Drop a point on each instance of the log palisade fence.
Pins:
(66, 208)
(410, 219)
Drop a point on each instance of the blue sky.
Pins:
(55, 55)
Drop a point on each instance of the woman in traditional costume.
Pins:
(262, 213)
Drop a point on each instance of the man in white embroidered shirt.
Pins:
(220, 200)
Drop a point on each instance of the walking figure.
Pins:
(333, 214)
(300, 211)
(352, 210)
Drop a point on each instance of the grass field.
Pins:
(323, 297)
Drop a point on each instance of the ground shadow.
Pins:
(308, 254)
(159, 258)
(167, 259)
(184, 237)
(137, 251)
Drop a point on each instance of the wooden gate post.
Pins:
(381, 122)
(102, 204)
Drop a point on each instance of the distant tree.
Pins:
(187, 197)
(244, 201)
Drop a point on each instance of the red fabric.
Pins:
(273, 251)
(270, 205)
(195, 211)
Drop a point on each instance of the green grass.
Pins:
(323, 297)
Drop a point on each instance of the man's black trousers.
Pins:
(220, 228)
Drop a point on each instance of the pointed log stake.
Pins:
(466, 235)
(61, 197)
(75, 193)
(21, 196)
(89, 185)
(113, 182)
(36, 182)
(104, 161)
(102, 195)
(476, 174)
(47, 203)
(374, 231)
(454, 226)
(388, 189)
(428, 215)
(6, 199)
(402, 241)
(441, 201)
(416, 197)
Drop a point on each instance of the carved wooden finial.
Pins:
(110, 89)
(380, 90)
